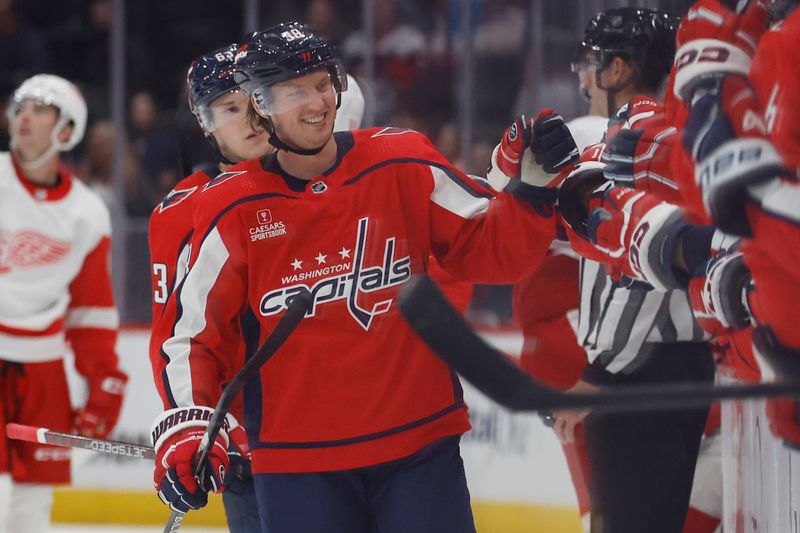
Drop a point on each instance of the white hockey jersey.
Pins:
(55, 284)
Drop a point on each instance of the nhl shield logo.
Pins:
(318, 187)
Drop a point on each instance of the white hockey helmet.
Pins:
(351, 110)
(64, 96)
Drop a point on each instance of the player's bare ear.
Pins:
(65, 133)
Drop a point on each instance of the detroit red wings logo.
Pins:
(29, 249)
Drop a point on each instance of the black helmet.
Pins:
(209, 77)
(643, 36)
(288, 50)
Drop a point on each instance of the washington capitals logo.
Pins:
(349, 285)
(175, 197)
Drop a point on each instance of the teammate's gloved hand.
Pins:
(639, 156)
(553, 148)
(176, 437)
(716, 37)
(240, 469)
(532, 151)
(636, 232)
(728, 140)
(718, 294)
(100, 414)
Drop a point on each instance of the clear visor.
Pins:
(296, 93)
(588, 60)
(16, 104)
(229, 108)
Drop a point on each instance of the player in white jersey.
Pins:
(56, 291)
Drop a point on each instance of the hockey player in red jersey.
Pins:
(221, 111)
(220, 108)
(56, 292)
(354, 423)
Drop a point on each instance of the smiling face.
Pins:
(237, 138)
(304, 110)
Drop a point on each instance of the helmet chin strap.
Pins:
(280, 145)
(55, 147)
(217, 151)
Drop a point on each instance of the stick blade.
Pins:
(21, 432)
(444, 330)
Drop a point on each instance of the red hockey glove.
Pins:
(100, 414)
(716, 37)
(532, 151)
(639, 157)
(718, 294)
(239, 455)
(776, 360)
(636, 232)
(728, 140)
(176, 437)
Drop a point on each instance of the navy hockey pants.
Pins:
(241, 507)
(424, 493)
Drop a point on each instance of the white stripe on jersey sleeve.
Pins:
(782, 200)
(193, 300)
(451, 196)
(92, 317)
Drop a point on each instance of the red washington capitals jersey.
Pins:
(169, 235)
(353, 385)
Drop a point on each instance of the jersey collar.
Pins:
(45, 193)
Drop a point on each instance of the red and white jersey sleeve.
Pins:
(54, 271)
(353, 385)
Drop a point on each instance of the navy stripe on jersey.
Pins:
(454, 176)
(244, 200)
(184, 242)
(363, 438)
(251, 333)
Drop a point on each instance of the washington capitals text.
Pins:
(348, 285)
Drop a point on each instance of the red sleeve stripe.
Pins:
(92, 317)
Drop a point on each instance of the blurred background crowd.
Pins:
(456, 70)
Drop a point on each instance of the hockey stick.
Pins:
(68, 440)
(295, 312)
(449, 336)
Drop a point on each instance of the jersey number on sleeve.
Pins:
(162, 291)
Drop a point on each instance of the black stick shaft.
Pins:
(451, 338)
(288, 323)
